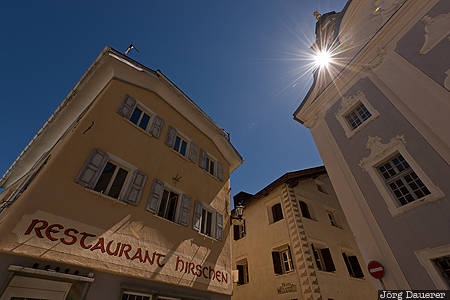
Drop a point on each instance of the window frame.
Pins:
(241, 231)
(112, 179)
(243, 262)
(351, 271)
(209, 157)
(334, 218)
(272, 217)
(204, 221)
(381, 153)
(317, 248)
(182, 138)
(132, 293)
(348, 105)
(171, 189)
(425, 258)
(290, 260)
(144, 110)
(308, 208)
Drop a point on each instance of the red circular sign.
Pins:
(375, 269)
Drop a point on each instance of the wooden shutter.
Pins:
(202, 159)
(219, 171)
(134, 190)
(236, 232)
(154, 201)
(277, 262)
(156, 127)
(357, 272)
(290, 257)
(219, 226)
(193, 152)
(184, 210)
(127, 107)
(171, 135)
(92, 169)
(197, 222)
(327, 260)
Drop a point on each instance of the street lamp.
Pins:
(239, 211)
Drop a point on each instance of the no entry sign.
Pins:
(376, 269)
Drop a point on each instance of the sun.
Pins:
(322, 59)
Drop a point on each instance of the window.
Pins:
(305, 210)
(397, 176)
(332, 218)
(111, 176)
(282, 260)
(111, 180)
(323, 259)
(443, 266)
(239, 230)
(208, 221)
(210, 165)
(180, 145)
(135, 296)
(169, 203)
(168, 206)
(242, 267)
(402, 181)
(355, 112)
(357, 116)
(353, 267)
(277, 213)
(140, 118)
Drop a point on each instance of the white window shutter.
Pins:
(156, 127)
(184, 210)
(196, 223)
(219, 170)
(202, 159)
(92, 169)
(219, 226)
(127, 107)
(154, 201)
(193, 152)
(171, 135)
(134, 190)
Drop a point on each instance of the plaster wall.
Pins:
(429, 221)
(54, 196)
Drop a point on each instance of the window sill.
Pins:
(362, 279)
(137, 127)
(434, 196)
(351, 132)
(332, 273)
(212, 176)
(284, 274)
(105, 196)
(166, 220)
(205, 236)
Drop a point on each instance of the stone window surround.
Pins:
(424, 256)
(347, 105)
(381, 152)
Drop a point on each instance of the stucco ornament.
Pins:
(436, 29)
(348, 102)
(378, 150)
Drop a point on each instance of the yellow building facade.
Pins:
(294, 243)
(123, 194)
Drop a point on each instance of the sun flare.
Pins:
(322, 59)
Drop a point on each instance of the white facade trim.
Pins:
(379, 152)
(347, 105)
(425, 256)
(371, 241)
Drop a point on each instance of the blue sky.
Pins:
(242, 62)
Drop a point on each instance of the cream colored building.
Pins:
(379, 114)
(294, 243)
(122, 194)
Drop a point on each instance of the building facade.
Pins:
(379, 115)
(293, 242)
(123, 194)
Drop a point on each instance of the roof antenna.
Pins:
(129, 49)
